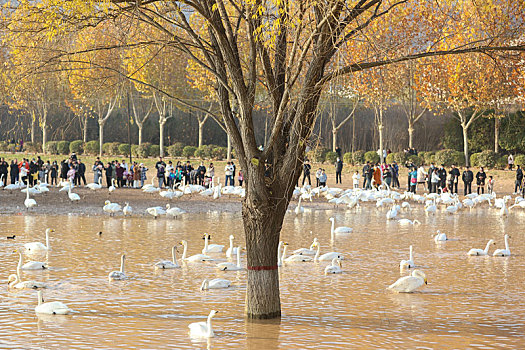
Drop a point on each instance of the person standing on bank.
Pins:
(338, 170)
(481, 176)
(510, 161)
(429, 177)
(306, 172)
(467, 178)
(455, 173)
(442, 177)
(366, 169)
(519, 179)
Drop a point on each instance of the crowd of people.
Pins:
(116, 173)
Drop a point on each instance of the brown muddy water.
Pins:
(470, 302)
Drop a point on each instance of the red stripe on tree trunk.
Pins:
(261, 268)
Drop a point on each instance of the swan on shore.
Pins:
(408, 284)
(128, 210)
(481, 252)
(29, 202)
(203, 329)
(118, 275)
(52, 307)
(503, 252)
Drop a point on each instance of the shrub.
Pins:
(358, 157)
(398, 157)
(63, 147)
(474, 159)
(154, 151)
(11, 147)
(175, 150)
(372, 157)
(415, 159)
(318, 154)
(188, 151)
(142, 151)
(92, 147)
(519, 160)
(448, 157)
(111, 148)
(502, 162)
(347, 158)
(487, 159)
(4, 146)
(52, 147)
(219, 153)
(203, 152)
(76, 146)
(33, 147)
(134, 150)
(429, 157)
(330, 157)
(124, 149)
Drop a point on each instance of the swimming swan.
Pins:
(193, 258)
(167, 264)
(228, 266)
(408, 284)
(118, 275)
(202, 329)
(307, 251)
(335, 267)
(216, 283)
(503, 252)
(326, 256)
(231, 250)
(440, 237)
(211, 248)
(340, 229)
(408, 263)
(478, 252)
(30, 265)
(52, 307)
(37, 247)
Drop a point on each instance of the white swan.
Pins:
(112, 187)
(298, 209)
(12, 187)
(327, 256)
(202, 329)
(72, 196)
(279, 260)
(504, 211)
(156, 211)
(392, 213)
(37, 247)
(118, 275)
(408, 222)
(193, 258)
(167, 264)
(408, 284)
(335, 267)
(211, 248)
(174, 212)
(295, 257)
(503, 252)
(408, 264)
(340, 229)
(307, 251)
(30, 265)
(111, 208)
(15, 281)
(231, 250)
(95, 186)
(52, 307)
(228, 266)
(128, 210)
(216, 283)
(29, 202)
(440, 237)
(482, 252)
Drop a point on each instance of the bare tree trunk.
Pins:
(44, 135)
(381, 153)
(410, 133)
(201, 126)
(140, 132)
(229, 149)
(496, 134)
(85, 131)
(33, 128)
(465, 143)
(100, 136)
(353, 134)
(334, 139)
(162, 122)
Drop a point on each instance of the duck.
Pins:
(339, 230)
(216, 283)
(335, 267)
(128, 210)
(231, 250)
(95, 186)
(228, 266)
(173, 212)
(118, 275)
(408, 264)
(52, 307)
(156, 211)
(481, 252)
(409, 284)
(326, 256)
(167, 264)
(37, 247)
(29, 202)
(30, 265)
(503, 252)
(193, 258)
(440, 237)
(211, 248)
(307, 251)
(202, 329)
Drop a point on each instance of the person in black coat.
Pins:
(306, 172)
(338, 170)
(429, 178)
(481, 176)
(442, 172)
(14, 171)
(455, 178)
(467, 178)
(64, 167)
(519, 179)
(366, 168)
(81, 172)
(109, 174)
(3, 170)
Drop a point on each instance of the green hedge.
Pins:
(358, 157)
(347, 158)
(154, 151)
(124, 149)
(372, 157)
(92, 147)
(52, 147)
(63, 147)
(33, 147)
(111, 148)
(188, 151)
(398, 157)
(219, 153)
(449, 157)
(76, 147)
(318, 154)
(330, 157)
(204, 152)
(519, 160)
(175, 150)
(142, 151)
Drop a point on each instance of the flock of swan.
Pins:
(396, 203)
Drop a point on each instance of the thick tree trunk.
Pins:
(229, 149)
(496, 134)
(140, 132)
(85, 131)
(410, 134)
(334, 139)
(161, 137)
(465, 143)
(100, 136)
